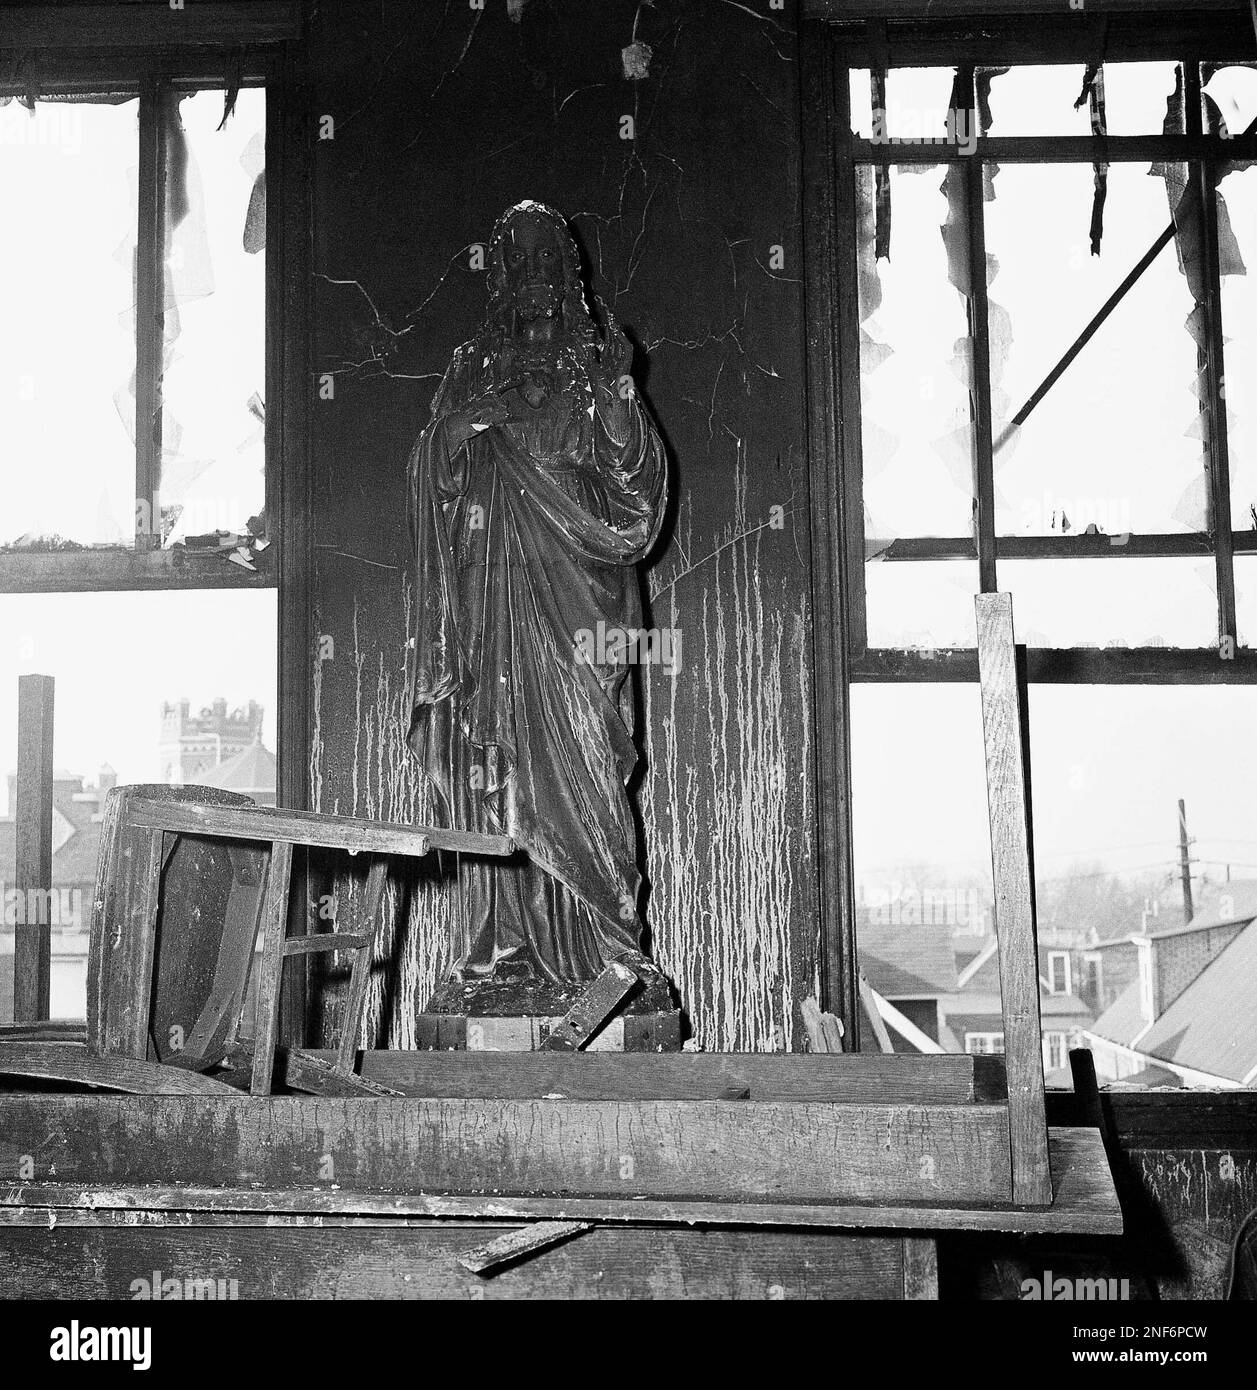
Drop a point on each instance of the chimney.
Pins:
(1168, 963)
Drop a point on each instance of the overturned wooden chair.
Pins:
(186, 879)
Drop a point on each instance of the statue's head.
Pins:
(534, 271)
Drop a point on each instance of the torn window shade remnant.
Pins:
(1239, 331)
(1229, 92)
(252, 161)
(233, 77)
(881, 174)
(1093, 95)
(1111, 441)
(212, 441)
(914, 369)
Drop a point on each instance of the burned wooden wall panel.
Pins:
(438, 122)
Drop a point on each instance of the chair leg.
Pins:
(274, 930)
(377, 877)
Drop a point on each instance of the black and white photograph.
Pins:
(624, 636)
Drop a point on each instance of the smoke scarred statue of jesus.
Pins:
(535, 490)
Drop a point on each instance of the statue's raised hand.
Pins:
(616, 355)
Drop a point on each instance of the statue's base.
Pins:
(513, 1011)
(627, 1032)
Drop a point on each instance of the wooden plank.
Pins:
(270, 824)
(1007, 798)
(591, 1010)
(920, 1269)
(274, 927)
(302, 1071)
(324, 942)
(65, 1062)
(900, 1079)
(122, 571)
(1085, 1203)
(32, 936)
(127, 942)
(355, 1001)
(517, 1245)
(422, 1262)
(624, 1149)
(874, 1015)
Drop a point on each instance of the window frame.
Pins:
(145, 564)
(835, 38)
(1052, 958)
(94, 48)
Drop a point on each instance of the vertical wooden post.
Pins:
(1007, 781)
(32, 946)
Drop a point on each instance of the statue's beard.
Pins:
(536, 302)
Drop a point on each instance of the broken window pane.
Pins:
(1246, 599)
(1116, 439)
(1237, 204)
(920, 603)
(1136, 95)
(1039, 100)
(190, 697)
(917, 103)
(67, 352)
(215, 380)
(861, 103)
(914, 366)
(922, 859)
(1142, 602)
(1229, 97)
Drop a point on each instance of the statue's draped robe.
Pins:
(526, 540)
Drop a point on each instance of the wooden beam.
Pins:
(1003, 722)
(394, 1260)
(124, 571)
(269, 823)
(32, 937)
(65, 1062)
(745, 1149)
(219, 23)
(270, 970)
(1069, 666)
(920, 1269)
(1085, 1203)
(901, 1079)
(834, 516)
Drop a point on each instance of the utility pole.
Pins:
(1184, 863)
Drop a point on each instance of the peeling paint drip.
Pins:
(719, 841)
